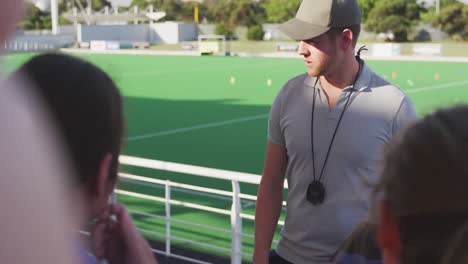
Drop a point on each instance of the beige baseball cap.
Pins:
(316, 17)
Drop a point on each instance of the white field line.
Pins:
(436, 87)
(197, 127)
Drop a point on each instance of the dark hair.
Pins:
(87, 108)
(424, 181)
(356, 29)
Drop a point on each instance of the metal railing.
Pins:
(235, 213)
(37, 43)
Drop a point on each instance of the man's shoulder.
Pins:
(294, 83)
(380, 85)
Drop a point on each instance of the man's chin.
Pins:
(313, 74)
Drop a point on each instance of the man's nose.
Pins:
(303, 51)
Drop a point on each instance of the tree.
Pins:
(237, 13)
(430, 15)
(142, 4)
(278, 11)
(255, 33)
(35, 19)
(453, 20)
(445, 3)
(222, 29)
(366, 7)
(229, 14)
(397, 16)
(175, 10)
(96, 5)
(99, 4)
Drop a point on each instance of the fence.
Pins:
(33, 43)
(236, 214)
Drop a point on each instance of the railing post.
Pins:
(136, 11)
(236, 224)
(168, 218)
(54, 12)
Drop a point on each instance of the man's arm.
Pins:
(406, 115)
(269, 201)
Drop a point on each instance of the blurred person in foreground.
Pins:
(87, 108)
(36, 220)
(423, 205)
(360, 247)
(326, 131)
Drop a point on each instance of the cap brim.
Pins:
(300, 30)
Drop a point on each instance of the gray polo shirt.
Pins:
(376, 110)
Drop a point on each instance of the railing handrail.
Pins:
(193, 170)
(152, 181)
(128, 176)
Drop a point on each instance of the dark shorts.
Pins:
(277, 259)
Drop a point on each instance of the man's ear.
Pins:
(388, 234)
(102, 178)
(346, 39)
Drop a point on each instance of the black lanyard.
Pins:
(333, 137)
(316, 190)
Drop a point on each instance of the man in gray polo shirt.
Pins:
(326, 131)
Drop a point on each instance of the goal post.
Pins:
(212, 45)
